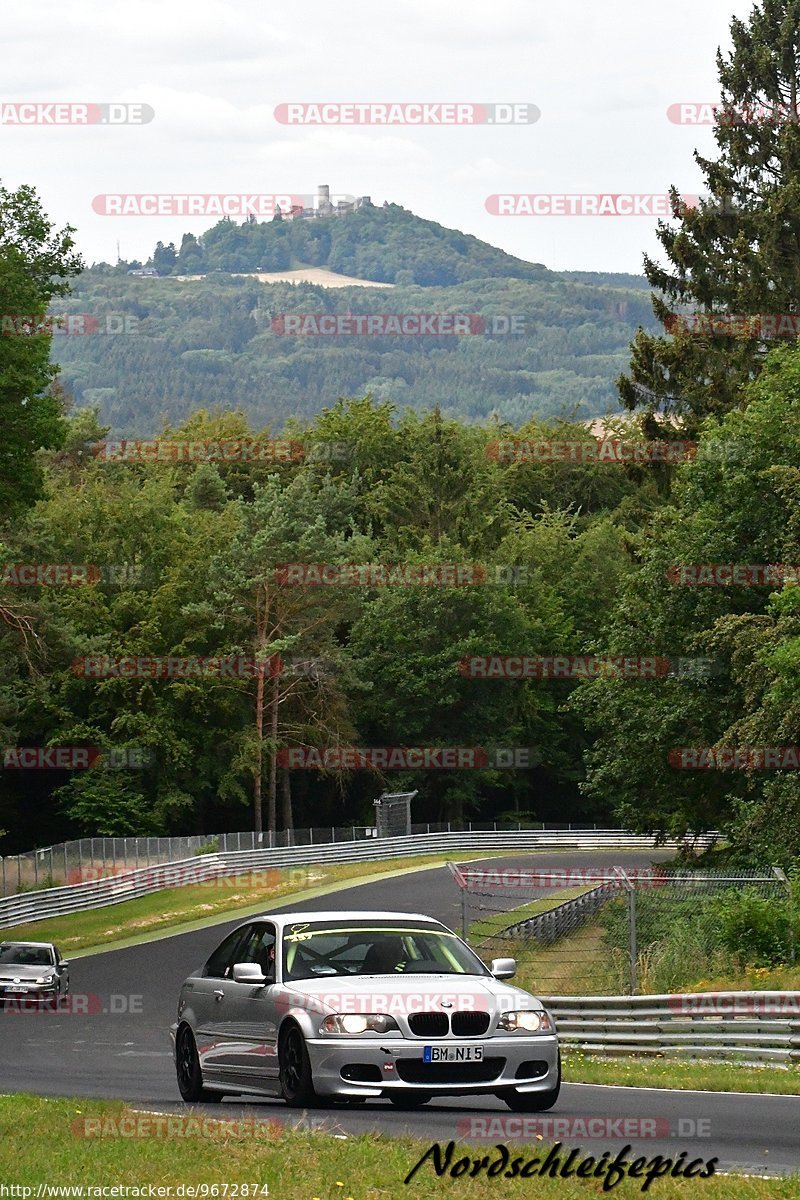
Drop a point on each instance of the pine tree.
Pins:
(737, 252)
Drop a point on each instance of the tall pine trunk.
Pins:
(273, 761)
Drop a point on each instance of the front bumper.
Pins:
(372, 1067)
(29, 994)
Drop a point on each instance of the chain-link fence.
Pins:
(96, 858)
(611, 931)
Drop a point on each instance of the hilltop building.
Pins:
(324, 207)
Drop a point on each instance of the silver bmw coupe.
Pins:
(325, 1006)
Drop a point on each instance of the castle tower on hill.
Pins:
(325, 207)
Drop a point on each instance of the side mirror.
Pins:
(64, 963)
(248, 973)
(503, 968)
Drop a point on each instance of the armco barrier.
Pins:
(565, 918)
(38, 905)
(760, 1027)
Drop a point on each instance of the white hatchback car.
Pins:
(350, 1006)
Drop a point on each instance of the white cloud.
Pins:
(214, 70)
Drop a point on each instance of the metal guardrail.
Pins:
(760, 1027)
(98, 893)
(95, 857)
(555, 923)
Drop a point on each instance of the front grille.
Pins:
(433, 1025)
(414, 1070)
(532, 1069)
(361, 1073)
(470, 1024)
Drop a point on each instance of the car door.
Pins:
(206, 995)
(252, 1027)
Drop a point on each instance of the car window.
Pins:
(25, 956)
(221, 961)
(259, 948)
(342, 948)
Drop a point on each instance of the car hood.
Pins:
(411, 993)
(11, 971)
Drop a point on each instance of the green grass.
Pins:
(673, 1073)
(39, 1145)
(752, 979)
(196, 905)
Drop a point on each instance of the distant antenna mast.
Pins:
(119, 260)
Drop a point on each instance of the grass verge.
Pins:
(200, 904)
(674, 1073)
(39, 1145)
(752, 979)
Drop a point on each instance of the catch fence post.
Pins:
(782, 877)
(632, 948)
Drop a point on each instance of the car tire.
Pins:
(188, 1070)
(410, 1099)
(294, 1065)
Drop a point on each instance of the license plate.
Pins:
(18, 991)
(452, 1054)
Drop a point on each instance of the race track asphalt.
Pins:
(119, 1049)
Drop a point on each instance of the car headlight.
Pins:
(45, 979)
(355, 1023)
(531, 1020)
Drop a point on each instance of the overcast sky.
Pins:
(603, 76)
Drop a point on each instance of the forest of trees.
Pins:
(568, 558)
(174, 347)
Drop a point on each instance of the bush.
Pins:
(209, 847)
(755, 929)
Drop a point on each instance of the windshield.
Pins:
(25, 956)
(316, 949)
